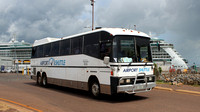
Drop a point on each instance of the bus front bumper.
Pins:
(137, 88)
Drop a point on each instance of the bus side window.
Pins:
(77, 45)
(47, 50)
(55, 48)
(65, 47)
(91, 45)
(34, 52)
(40, 51)
(105, 49)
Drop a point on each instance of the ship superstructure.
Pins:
(15, 52)
(166, 56)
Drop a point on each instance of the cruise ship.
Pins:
(15, 53)
(165, 56)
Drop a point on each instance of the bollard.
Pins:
(28, 71)
(22, 71)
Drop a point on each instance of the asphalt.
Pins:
(12, 106)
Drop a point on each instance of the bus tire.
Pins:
(44, 81)
(95, 89)
(39, 79)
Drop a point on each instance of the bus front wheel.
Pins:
(95, 89)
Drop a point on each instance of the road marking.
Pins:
(26, 106)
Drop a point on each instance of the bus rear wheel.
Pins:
(44, 81)
(39, 80)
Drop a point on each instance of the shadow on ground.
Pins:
(119, 98)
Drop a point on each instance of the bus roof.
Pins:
(45, 41)
(112, 31)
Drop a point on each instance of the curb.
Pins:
(186, 91)
(163, 88)
(178, 90)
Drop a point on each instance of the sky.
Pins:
(175, 21)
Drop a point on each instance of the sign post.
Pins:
(92, 3)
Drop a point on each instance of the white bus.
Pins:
(106, 60)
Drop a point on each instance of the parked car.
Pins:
(10, 70)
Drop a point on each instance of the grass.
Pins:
(161, 82)
(195, 85)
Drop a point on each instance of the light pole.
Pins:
(92, 4)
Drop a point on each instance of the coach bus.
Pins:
(102, 61)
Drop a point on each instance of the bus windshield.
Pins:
(128, 49)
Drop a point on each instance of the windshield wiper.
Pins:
(145, 64)
(130, 63)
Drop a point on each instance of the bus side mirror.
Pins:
(106, 60)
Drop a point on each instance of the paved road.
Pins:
(21, 89)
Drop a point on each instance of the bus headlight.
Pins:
(150, 78)
(128, 80)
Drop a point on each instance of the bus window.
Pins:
(40, 51)
(55, 48)
(91, 45)
(143, 50)
(77, 45)
(105, 36)
(105, 49)
(65, 47)
(124, 47)
(34, 52)
(47, 50)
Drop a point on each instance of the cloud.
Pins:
(159, 16)
(183, 24)
(37, 19)
(183, 17)
(125, 13)
(177, 20)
